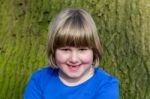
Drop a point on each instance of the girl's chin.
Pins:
(74, 76)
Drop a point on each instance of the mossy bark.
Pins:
(123, 26)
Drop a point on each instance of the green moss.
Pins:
(123, 27)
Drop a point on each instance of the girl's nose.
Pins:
(74, 58)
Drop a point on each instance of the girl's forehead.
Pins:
(75, 46)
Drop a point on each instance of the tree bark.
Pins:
(123, 26)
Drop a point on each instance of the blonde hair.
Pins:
(73, 27)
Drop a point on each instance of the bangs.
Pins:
(74, 33)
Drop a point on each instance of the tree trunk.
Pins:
(123, 26)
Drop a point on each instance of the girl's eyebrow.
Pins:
(64, 47)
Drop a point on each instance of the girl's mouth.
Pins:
(73, 67)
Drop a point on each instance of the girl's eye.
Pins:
(83, 49)
(64, 49)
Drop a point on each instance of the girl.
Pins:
(74, 53)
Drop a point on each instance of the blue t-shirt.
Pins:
(45, 84)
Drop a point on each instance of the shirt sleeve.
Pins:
(109, 90)
(33, 90)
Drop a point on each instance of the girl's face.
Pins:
(74, 62)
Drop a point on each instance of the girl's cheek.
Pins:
(62, 58)
(87, 58)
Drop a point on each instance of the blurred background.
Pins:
(123, 26)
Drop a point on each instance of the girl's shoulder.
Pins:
(103, 77)
(43, 76)
(107, 85)
(44, 72)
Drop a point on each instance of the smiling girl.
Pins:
(74, 54)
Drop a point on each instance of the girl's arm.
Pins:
(110, 90)
(33, 90)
